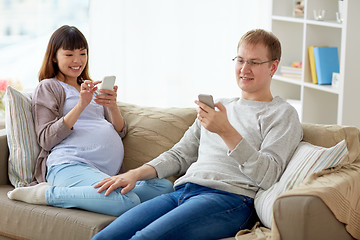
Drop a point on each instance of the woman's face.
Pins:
(71, 63)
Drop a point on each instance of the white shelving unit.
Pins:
(323, 104)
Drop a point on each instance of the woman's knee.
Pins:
(165, 184)
(152, 188)
(122, 202)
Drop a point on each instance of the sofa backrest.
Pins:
(152, 131)
(4, 155)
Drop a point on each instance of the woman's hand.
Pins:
(87, 90)
(108, 99)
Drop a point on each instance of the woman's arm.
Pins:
(109, 101)
(47, 106)
(87, 90)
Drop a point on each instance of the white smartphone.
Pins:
(207, 99)
(107, 83)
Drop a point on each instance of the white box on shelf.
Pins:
(335, 79)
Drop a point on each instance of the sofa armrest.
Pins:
(325, 205)
(307, 217)
(4, 155)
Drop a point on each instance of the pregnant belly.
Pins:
(99, 145)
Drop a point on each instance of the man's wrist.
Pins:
(144, 172)
(231, 138)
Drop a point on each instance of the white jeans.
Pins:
(72, 187)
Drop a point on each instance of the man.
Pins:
(225, 156)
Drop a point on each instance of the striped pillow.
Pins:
(21, 137)
(307, 159)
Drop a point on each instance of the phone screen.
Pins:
(108, 82)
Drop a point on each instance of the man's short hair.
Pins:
(260, 36)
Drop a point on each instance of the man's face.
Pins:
(252, 75)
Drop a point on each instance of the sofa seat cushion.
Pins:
(27, 221)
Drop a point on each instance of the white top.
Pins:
(94, 140)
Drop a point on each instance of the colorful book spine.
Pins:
(326, 62)
(291, 72)
(312, 65)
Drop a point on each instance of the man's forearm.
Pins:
(144, 172)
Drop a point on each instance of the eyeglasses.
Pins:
(241, 62)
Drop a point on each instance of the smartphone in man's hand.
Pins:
(207, 99)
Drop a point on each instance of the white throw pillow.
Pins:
(306, 160)
(21, 137)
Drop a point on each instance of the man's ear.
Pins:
(274, 67)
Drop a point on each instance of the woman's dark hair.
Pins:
(68, 38)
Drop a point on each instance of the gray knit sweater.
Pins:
(271, 132)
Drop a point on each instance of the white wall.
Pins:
(165, 52)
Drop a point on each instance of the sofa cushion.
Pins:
(21, 137)
(151, 131)
(21, 220)
(307, 159)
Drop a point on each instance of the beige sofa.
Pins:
(152, 131)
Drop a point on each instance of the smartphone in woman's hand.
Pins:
(107, 83)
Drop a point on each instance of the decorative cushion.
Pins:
(329, 135)
(21, 137)
(307, 159)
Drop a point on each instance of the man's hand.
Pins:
(126, 180)
(216, 121)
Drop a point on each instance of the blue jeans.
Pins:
(72, 187)
(191, 212)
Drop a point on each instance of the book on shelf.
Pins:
(291, 71)
(312, 64)
(291, 75)
(326, 62)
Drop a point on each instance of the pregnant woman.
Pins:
(80, 134)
